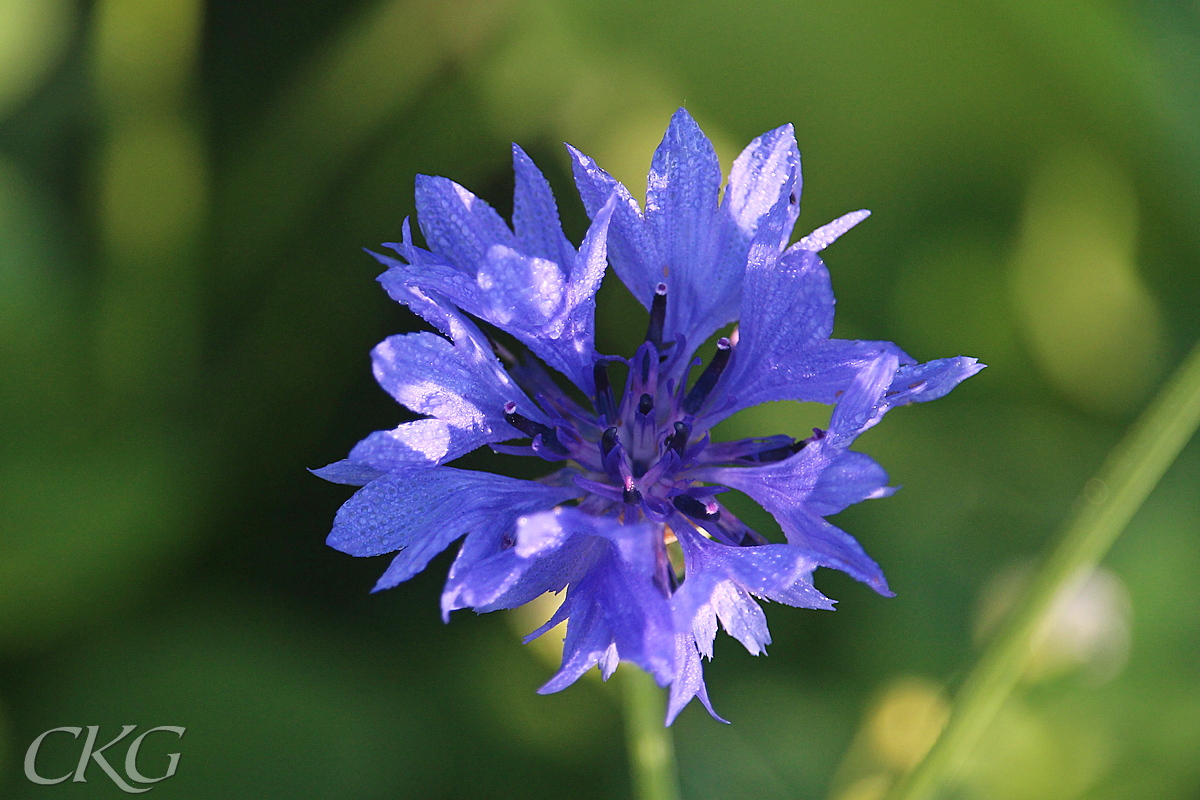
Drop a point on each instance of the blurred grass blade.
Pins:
(1108, 502)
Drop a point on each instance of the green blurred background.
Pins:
(185, 318)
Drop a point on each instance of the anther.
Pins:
(677, 441)
(645, 368)
(608, 440)
(533, 429)
(778, 453)
(708, 379)
(695, 509)
(631, 495)
(645, 404)
(502, 352)
(751, 538)
(606, 404)
(658, 315)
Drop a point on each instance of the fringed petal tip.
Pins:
(830, 232)
(348, 472)
(880, 585)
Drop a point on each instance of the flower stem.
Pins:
(648, 742)
(1108, 502)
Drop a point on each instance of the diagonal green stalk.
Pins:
(648, 742)
(1108, 502)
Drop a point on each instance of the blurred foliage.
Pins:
(185, 317)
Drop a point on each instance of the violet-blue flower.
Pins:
(632, 472)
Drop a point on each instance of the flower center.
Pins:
(633, 454)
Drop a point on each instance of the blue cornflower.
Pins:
(634, 472)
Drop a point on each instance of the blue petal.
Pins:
(824, 478)
(768, 167)
(721, 579)
(796, 492)
(740, 616)
(572, 347)
(630, 248)
(681, 217)
(348, 472)
(835, 547)
(479, 374)
(849, 478)
(547, 308)
(687, 240)
(517, 292)
(920, 383)
(830, 232)
(535, 214)
(420, 443)
(689, 679)
(458, 383)
(616, 603)
(532, 577)
(766, 175)
(778, 572)
(551, 313)
(458, 225)
(864, 402)
(882, 386)
(490, 574)
(547, 551)
(420, 511)
(783, 351)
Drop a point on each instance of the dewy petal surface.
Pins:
(457, 224)
(458, 382)
(689, 679)
(768, 167)
(722, 579)
(681, 218)
(421, 511)
(535, 214)
(491, 573)
(830, 232)
(784, 351)
(510, 280)
(615, 605)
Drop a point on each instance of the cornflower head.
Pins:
(632, 472)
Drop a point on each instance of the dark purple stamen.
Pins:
(677, 441)
(695, 509)
(631, 495)
(608, 440)
(672, 581)
(606, 404)
(658, 315)
(645, 405)
(708, 379)
(645, 362)
(777, 453)
(533, 429)
(751, 538)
